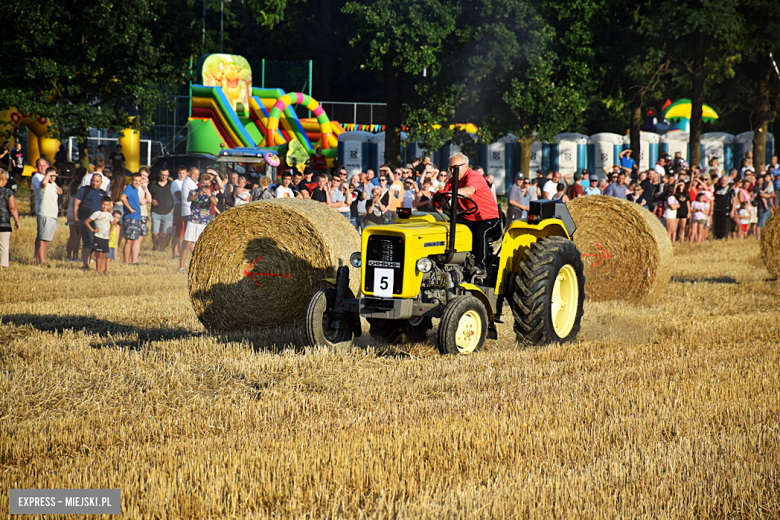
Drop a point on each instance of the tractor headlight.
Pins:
(424, 265)
(354, 259)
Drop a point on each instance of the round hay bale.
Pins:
(770, 244)
(625, 249)
(258, 265)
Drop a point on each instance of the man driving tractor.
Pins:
(484, 223)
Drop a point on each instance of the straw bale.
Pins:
(258, 265)
(770, 244)
(625, 249)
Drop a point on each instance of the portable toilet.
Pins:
(354, 151)
(499, 160)
(603, 150)
(744, 143)
(674, 142)
(719, 145)
(569, 153)
(377, 145)
(649, 149)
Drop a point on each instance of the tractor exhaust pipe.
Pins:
(450, 251)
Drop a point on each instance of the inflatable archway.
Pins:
(327, 139)
(38, 144)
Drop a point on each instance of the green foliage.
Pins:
(94, 63)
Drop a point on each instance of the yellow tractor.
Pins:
(422, 268)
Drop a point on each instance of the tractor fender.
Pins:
(481, 296)
(332, 282)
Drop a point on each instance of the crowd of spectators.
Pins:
(103, 210)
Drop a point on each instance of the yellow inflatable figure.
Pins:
(38, 144)
(236, 88)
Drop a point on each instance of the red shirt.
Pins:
(318, 163)
(482, 196)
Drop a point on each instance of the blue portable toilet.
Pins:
(743, 143)
(674, 142)
(377, 146)
(649, 149)
(603, 150)
(540, 159)
(354, 151)
(718, 145)
(499, 159)
(569, 153)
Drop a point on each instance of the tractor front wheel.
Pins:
(548, 292)
(463, 326)
(318, 329)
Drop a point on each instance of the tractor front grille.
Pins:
(385, 252)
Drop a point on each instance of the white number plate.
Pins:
(383, 282)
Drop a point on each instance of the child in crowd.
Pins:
(744, 218)
(113, 239)
(102, 227)
(701, 212)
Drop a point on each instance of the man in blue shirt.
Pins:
(617, 189)
(774, 170)
(593, 187)
(626, 162)
(131, 220)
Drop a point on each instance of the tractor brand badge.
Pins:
(380, 263)
(434, 244)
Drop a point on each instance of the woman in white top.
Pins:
(240, 194)
(670, 212)
(701, 212)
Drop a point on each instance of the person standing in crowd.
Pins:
(377, 206)
(47, 193)
(575, 190)
(131, 219)
(318, 162)
(701, 210)
(5, 156)
(188, 185)
(162, 210)
(409, 193)
(230, 188)
(145, 197)
(627, 163)
(17, 161)
(105, 182)
(519, 199)
(89, 199)
(241, 195)
(284, 191)
(99, 225)
(101, 153)
(765, 197)
(337, 199)
(617, 188)
(263, 192)
(201, 200)
(593, 186)
(74, 239)
(357, 210)
(423, 199)
(117, 159)
(560, 193)
(178, 222)
(321, 192)
(723, 197)
(8, 211)
(671, 205)
(744, 219)
(551, 186)
(113, 239)
(681, 193)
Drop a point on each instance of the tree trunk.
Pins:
(761, 121)
(83, 150)
(697, 99)
(327, 55)
(525, 154)
(395, 83)
(635, 128)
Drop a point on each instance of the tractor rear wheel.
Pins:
(463, 326)
(548, 292)
(318, 329)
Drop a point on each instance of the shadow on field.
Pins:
(710, 279)
(104, 329)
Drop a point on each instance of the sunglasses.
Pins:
(382, 180)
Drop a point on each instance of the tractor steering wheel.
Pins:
(445, 202)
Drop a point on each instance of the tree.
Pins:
(400, 38)
(94, 63)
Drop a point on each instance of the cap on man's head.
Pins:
(409, 166)
(594, 177)
(577, 176)
(519, 176)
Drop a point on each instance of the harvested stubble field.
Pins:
(661, 411)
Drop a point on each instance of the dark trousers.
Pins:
(720, 224)
(482, 232)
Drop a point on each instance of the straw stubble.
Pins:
(625, 249)
(258, 265)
